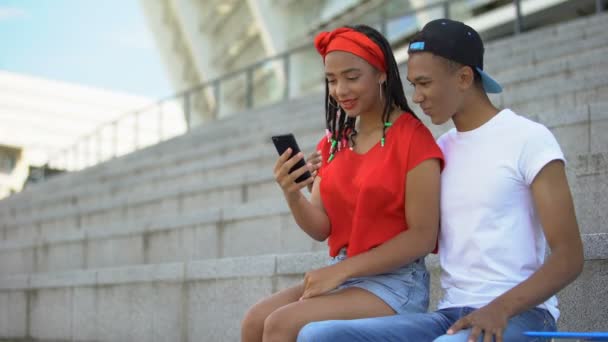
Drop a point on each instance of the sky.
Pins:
(104, 44)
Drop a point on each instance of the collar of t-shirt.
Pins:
(485, 128)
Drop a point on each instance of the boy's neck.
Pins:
(476, 111)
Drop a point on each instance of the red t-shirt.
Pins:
(364, 194)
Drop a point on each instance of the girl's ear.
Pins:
(382, 78)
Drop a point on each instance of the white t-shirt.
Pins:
(491, 238)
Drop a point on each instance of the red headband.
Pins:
(349, 40)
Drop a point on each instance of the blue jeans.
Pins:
(420, 327)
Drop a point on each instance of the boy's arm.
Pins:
(555, 209)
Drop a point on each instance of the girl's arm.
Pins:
(309, 215)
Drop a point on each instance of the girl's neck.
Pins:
(370, 122)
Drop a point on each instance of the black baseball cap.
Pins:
(457, 42)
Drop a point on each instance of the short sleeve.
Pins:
(323, 147)
(539, 149)
(423, 147)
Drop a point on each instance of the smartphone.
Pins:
(285, 141)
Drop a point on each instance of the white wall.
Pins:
(42, 117)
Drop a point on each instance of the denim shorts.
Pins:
(405, 289)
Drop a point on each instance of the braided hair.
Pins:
(340, 128)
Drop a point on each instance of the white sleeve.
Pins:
(540, 148)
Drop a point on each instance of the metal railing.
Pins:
(239, 90)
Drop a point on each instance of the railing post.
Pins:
(383, 22)
(187, 110)
(64, 164)
(286, 75)
(518, 18)
(249, 88)
(99, 148)
(88, 151)
(115, 139)
(216, 95)
(160, 121)
(446, 9)
(75, 157)
(136, 132)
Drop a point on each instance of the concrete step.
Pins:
(575, 129)
(197, 138)
(255, 228)
(548, 54)
(202, 300)
(258, 227)
(572, 31)
(212, 147)
(586, 59)
(560, 84)
(236, 180)
(544, 48)
(571, 126)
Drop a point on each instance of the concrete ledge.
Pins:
(142, 273)
(596, 248)
(15, 282)
(209, 216)
(103, 232)
(587, 165)
(63, 279)
(300, 263)
(206, 309)
(255, 209)
(264, 265)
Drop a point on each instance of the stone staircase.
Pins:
(175, 242)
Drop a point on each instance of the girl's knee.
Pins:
(253, 321)
(277, 325)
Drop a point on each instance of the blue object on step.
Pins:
(585, 336)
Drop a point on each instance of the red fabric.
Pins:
(349, 40)
(364, 195)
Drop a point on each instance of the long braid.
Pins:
(392, 89)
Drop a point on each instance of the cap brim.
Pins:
(489, 84)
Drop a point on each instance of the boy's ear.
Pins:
(466, 77)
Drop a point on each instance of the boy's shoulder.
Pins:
(441, 141)
(510, 125)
